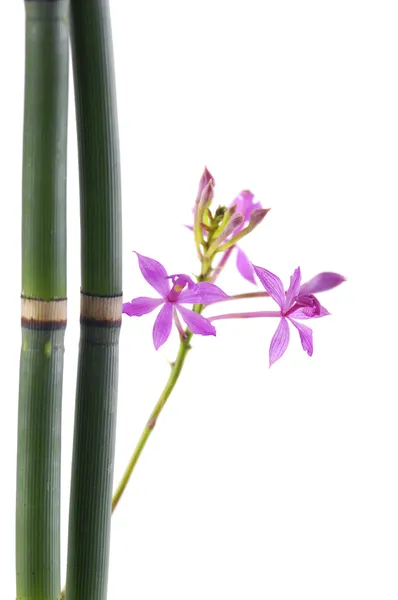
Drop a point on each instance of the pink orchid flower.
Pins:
(298, 302)
(294, 304)
(182, 291)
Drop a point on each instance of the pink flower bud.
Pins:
(206, 178)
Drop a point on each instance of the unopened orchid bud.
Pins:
(235, 221)
(203, 200)
(206, 196)
(256, 217)
(203, 183)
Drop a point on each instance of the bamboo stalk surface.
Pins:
(101, 301)
(43, 300)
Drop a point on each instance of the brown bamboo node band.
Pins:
(34, 310)
(99, 308)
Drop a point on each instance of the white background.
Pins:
(264, 484)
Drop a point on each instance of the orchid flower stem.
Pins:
(234, 240)
(172, 380)
(221, 265)
(245, 296)
(248, 315)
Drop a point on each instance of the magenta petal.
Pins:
(244, 266)
(202, 293)
(279, 342)
(305, 313)
(294, 288)
(162, 326)
(154, 273)
(305, 336)
(272, 284)
(321, 283)
(196, 323)
(245, 205)
(141, 306)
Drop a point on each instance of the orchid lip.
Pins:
(176, 290)
(313, 306)
(180, 278)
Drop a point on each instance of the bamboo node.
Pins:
(105, 309)
(36, 311)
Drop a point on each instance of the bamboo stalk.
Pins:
(43, 301)
(101, 301)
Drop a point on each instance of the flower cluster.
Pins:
(217, 233)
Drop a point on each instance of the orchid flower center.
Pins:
(180, 282)
(308, 302)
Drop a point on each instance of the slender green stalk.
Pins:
(245, 296)
(43, 301)
(174, 375)
(101, 301)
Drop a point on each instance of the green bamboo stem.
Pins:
(101, 301)
(43, 301)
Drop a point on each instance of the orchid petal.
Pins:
(196, 323)
(305, 336)
(245, 205)
(321, 283)
(272, 284)
(141, 306)
(243, 202)
(279, 342)
(162, 327)
(154, 273)
(244, 266)
(305, 313)
(202, 293)
(294, 288)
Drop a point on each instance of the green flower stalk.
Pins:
(150, 425)
(101, 301)
(43, 301)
